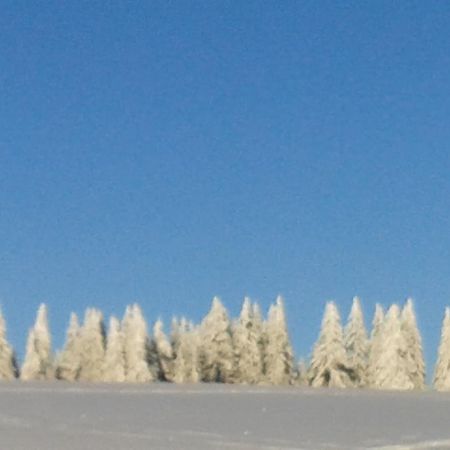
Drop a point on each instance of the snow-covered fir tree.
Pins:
(392, 368)
(356, 345)
(414, 345)
(114, 362)
(247, 347)
(329, 363)
(8, 366)
(38, 358)
(162, 350)
(216, 350)
(175, 330)
(186, 348)
(375, 343)
(92, 346)
(278, 357)
(137, 347)
(68, 361)
(260, 326)
(441, 380)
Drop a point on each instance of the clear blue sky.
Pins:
(166, 152)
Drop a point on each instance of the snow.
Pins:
(63, 416)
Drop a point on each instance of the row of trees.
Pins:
(249, 350)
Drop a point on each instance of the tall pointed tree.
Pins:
(278, 358)
(114, 363)
(68, 364)
(260, 326)
(8, 366)
(186, 364)
(414, 345)
(137, 346)
(216, 351)
(375, 343)
(441, 380)
(247, 348)
(392, 368)
(356, 345)
(163, 352)
(38, 358)
(92, 346)
(329, 364)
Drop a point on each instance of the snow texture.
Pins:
(64, 416)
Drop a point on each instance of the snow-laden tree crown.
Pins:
(249, 349)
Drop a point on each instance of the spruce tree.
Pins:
(92, 346)
(186, 363)
(414, 345)
(38, 358)
(392, 368)
(163, 352)
(68, 364)
(8, 367)
(247, 348)
(260, 327)
(216, 351)
(279, 358)
(329, 364)
(441, 380)
(375, 344)
(114, 363)
(356, 345)
(137, 347)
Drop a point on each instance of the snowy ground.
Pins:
(56, 416)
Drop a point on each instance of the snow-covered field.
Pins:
(47, 416)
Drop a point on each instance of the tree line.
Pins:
(250, 349)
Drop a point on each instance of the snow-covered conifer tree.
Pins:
(260, 330)
(8, 367)
(175, 332)
(392, 368)
(137, 347)
(216, 351)
(278, 357)
(414, 345)
(163, 352)
(375, 343)
(442, 371)
(329, 364)
(92, 346)
(38, 358)
(68, 364)
(186, 364)
(356, 345)
(247, 348)
(114, 363)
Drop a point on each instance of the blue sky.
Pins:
(166, 152)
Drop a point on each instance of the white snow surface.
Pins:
(61, 416)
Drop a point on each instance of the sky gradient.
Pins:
(166, 152)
